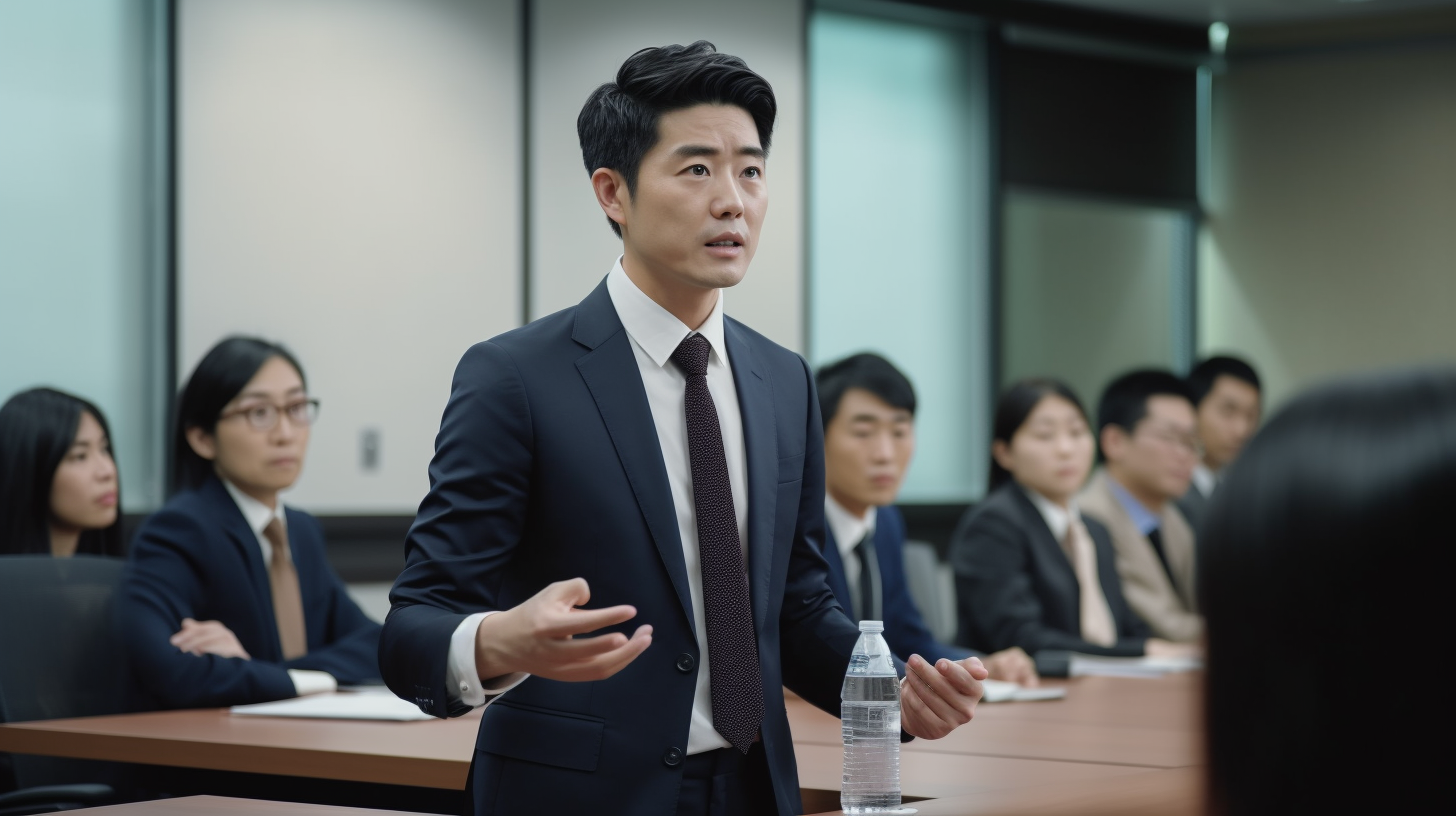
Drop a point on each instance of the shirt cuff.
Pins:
(306, 682)
(461, 681)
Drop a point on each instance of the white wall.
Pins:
(577, 45)
(349, 184)
(1088, 290)
(1331, 241)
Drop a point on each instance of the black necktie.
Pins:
(735, 684)
(869, 607)
(1156, 539)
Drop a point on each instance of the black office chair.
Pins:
(59, 657)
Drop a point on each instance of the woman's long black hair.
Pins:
(37, 428)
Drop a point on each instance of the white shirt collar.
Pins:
(1204, 479)
(848, 529)
(1059, 519)
(256, 513)
(654, 328)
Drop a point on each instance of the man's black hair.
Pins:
(1125, 402)
(867, 371)
(618, 123)
(1207, 372)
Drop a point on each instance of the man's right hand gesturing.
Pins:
(537, 637)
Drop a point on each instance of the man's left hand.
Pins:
(936, 700)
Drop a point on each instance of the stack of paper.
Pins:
(343, 705)
(999, 691)
(1095, 665)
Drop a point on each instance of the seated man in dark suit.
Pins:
(643, 453)
(868, 407)
(1227, 397)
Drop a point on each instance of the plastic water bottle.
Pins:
(870, 717)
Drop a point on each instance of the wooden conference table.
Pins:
(1110, 741)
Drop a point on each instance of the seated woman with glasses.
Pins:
(1031, 570)
(59, 491)
(230, 599)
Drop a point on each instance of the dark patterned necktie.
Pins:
(735, 684)
(869, 599)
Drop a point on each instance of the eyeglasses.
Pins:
(1175, 439)
(265, 416)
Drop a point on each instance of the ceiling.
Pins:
(1254, 12)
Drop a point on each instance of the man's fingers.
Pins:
(581, 621)
(606, 664)
(572, 592)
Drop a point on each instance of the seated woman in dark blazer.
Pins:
(59, 489)
(1031, 571)
(230, 599)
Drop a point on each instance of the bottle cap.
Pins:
(871, 626)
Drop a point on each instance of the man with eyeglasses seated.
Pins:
(230, 598)
(1148, 440)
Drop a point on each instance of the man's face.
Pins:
(1227, 418)
(1157, 458)
(867, 448)
(701, 194)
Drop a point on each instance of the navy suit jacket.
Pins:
(905, 628)
(1016, 587)
(197, 558)
(547, 467)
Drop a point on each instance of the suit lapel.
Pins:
(610, 372)
(246, 541)
(1049, 551)
(760, 441)
(837, 580)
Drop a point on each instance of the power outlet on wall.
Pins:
(369, 440)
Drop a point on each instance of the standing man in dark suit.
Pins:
(1227, 398)
(647, 455)
(868, 407)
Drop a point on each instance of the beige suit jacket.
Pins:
(1167, 606)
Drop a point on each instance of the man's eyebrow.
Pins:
(692, 151)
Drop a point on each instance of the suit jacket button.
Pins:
(673, 757)
(685, 662)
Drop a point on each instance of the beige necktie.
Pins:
(287, 599)
(1097, 625)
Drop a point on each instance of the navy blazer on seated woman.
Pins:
(197, 558)
(1016, 587)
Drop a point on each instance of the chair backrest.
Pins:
(932, 585)
(59, 654)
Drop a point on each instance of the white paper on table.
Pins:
(346, 705)
(1098, 666)
(1000, 691)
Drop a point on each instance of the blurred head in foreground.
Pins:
(1330, 530)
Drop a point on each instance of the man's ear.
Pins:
(612, 194)
(1113, 440)
(202, 443)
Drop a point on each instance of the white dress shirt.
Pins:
(1204, 479)
(259, 515)
(1058, 518)
(849, 530)
(654, 334)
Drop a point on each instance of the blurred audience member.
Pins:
(1227, 398)
(1334, 524)
(868, 407)
(59, 489)
(1148, 436)
(230, 599)
(1031, 571)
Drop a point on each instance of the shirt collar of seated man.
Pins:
(869, 440)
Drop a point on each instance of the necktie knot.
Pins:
(691, 355)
